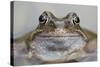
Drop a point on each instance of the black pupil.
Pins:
(41, 18)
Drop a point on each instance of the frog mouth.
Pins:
(57, 35)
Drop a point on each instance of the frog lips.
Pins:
(59, 36)
(59, 33)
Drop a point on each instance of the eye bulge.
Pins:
(43, 18)
(75, 18)
(69, 20)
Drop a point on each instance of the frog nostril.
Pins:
(66, 23)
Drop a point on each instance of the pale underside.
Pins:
(21, 58)
(57, 48)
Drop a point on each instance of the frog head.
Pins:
(49, 22)
(57, 39)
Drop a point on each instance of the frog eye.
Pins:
(42, 19)
(76, 20)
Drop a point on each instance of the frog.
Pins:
(57, 30)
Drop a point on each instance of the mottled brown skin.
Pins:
(47, 25)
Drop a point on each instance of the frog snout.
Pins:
(64, 24)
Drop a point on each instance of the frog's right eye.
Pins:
(43, 19)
